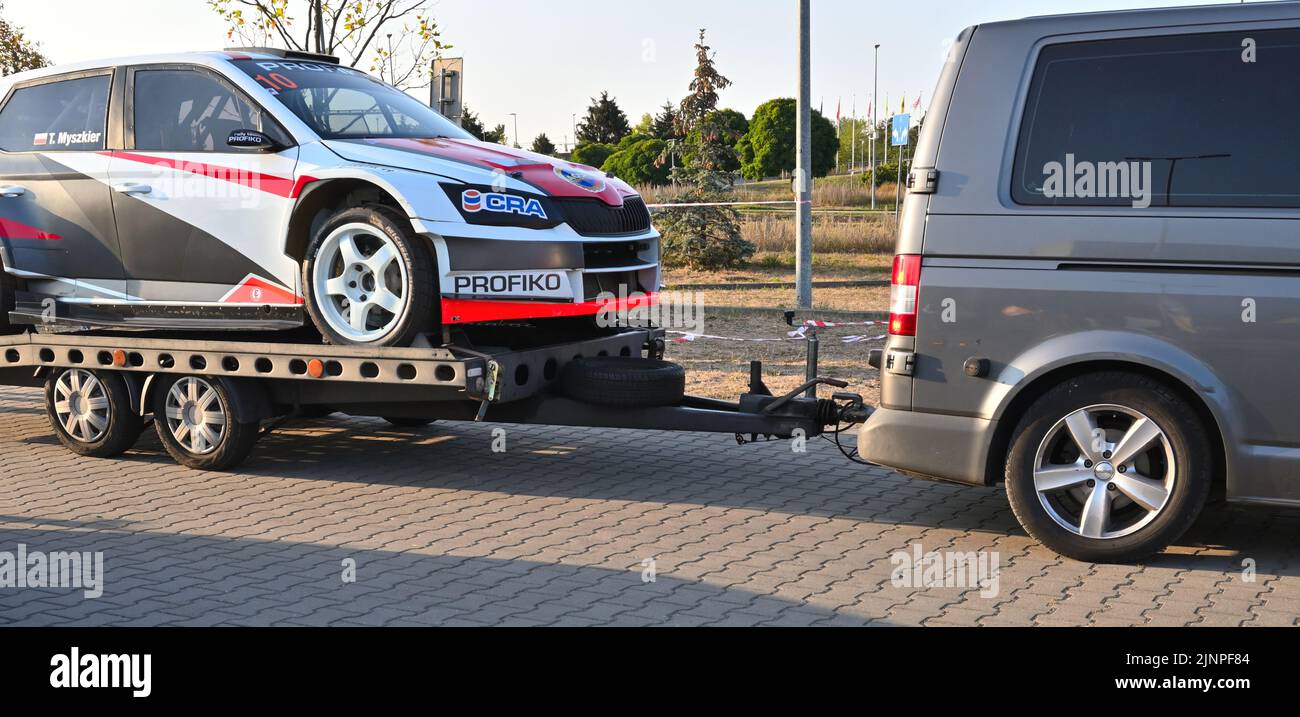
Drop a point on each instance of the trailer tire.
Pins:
(226, 438)
(626, 382)
(409, 423)
(106, 400)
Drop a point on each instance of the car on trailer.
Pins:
(260, 189)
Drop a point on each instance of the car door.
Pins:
(201, 222)
(56, 216)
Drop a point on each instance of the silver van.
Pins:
(1096, 293)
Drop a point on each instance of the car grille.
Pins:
(592, 217)
(618, 283)
(612, 254)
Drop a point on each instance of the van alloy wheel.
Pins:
(195, 415)
(1104, 471)
(359, 283)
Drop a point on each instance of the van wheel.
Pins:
(91, 413)
(369, 280)
(1108, 467)
(197, 423)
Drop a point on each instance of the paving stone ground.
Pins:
(561, 530)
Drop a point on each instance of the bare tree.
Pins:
(394, 39)
(17, 53)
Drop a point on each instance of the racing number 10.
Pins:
(276, 82)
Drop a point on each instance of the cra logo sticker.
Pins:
(582, 180)
(474, 201)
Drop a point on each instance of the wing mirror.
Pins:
(252, 139)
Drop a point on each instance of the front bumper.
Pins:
(932, 445)
(531, 277)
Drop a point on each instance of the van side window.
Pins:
(1186, 119)
(188, 111)
(67, 115)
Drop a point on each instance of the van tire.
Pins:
(1183, 434)
(624, 381)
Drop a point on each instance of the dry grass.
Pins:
(768, 267)
(837, 192)
(774, 232)
(858, 299)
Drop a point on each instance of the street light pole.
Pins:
(875, 90)
(803, 170)
(516, 116)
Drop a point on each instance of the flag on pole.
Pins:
(871, 108)
(837, 110)
(902, 105)
(917, 104)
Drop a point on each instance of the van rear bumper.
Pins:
(933, 445)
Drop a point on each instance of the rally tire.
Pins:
(91, 412)
(400, 300)
(232, 438)
(623, 381)
(1135, 519)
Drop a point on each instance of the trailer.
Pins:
(211, 400)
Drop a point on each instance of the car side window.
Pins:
(189, 111)
(1186, 120)
(64, 115)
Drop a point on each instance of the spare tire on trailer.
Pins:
(624, 381)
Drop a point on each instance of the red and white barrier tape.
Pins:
(684, 337)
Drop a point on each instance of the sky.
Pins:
(545, 59)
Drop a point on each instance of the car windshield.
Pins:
(342, 103)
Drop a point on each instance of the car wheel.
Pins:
(91, 413)
(369, 281)
(1108, 467)
(199, 426)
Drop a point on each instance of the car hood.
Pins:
(477, 162)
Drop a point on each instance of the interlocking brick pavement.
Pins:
(555, 532)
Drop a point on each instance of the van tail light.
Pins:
(903, 288)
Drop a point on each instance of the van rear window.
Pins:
(1203, 120)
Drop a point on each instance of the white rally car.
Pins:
(259, 189)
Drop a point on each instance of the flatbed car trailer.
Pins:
(211, 400)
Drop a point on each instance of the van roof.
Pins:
(1160, 17)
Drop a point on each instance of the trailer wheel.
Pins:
(624, 381)
(91, 412)
(198, 422)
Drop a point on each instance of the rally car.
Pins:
(266, 189)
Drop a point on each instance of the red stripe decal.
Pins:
(256, 290)
(10, 229)
(279, 186)
(471, 311)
